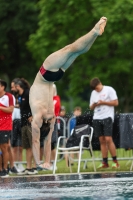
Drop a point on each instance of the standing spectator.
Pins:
(23, 87)
(102, 101)
(11, 168)
(7, 102)
(16, 137)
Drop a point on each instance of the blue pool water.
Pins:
(113, 186)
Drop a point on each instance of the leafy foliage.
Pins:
(110, 58)
(18, 21)
(43, 27)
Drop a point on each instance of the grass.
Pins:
(125, 159)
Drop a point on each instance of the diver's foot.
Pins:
(99, 27)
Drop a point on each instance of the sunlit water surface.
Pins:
(68, 187)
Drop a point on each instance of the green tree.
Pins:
(116, 66)
(110, 58)
(18, 21)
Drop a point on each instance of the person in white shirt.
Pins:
(16, 138)
(103, 100)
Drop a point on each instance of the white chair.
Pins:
(75, 150)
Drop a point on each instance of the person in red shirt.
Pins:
(7, 102)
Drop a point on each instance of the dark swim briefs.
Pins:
(51, 76)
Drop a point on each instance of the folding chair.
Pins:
(76, 149)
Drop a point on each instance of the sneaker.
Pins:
(4, 173)
(30, 171)
(13, 170)
(20, 167)
(115, 164)
(24, 172)
(35, 170)
(103, 165)
(27, 172)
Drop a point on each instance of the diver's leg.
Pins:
(36, 125)
(64, 57)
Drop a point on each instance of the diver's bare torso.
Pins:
(41, 97)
